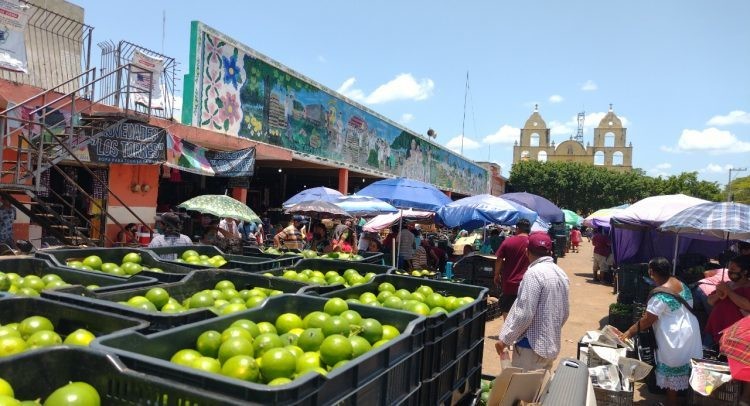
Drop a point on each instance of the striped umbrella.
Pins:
(725, 220)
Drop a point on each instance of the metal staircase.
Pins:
(53, 127)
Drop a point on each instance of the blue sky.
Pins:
(675, 71)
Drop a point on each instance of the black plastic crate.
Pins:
(195, 282)
(41, 267)
(727, 394)
(478, 270)
(630, 277)
(172, 272)
(286, 259)
(445, 335)
(621, 320)
(395, 364)
(246, 263)
(459, 378)
(37, 374)
(66, 317)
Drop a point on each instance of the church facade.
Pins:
(610, 148)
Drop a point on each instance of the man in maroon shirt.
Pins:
(511, 264)
(602, 252)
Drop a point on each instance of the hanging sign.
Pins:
(145, 75)
(129, 143)
(13, 19)
(186, 156)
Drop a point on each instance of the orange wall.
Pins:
(121, 179)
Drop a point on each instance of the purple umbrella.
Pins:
(547, 210)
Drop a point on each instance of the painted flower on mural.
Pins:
(229, 110)
(231, 70)
(213, 48)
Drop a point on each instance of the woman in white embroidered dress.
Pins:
(678, 336)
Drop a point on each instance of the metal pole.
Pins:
(729, 183)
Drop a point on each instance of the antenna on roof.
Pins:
(579, 133)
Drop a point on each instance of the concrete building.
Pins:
(610, 148)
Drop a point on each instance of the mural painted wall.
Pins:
(240, 92)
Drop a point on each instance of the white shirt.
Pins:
(540, 310)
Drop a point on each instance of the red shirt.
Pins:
(575, 237)
(725, 313)
(601, 244)
(513, 253)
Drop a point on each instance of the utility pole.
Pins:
(729, 183)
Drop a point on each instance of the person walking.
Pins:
(511, 264)
(602, 253)
(535, 320)
(406, 247)
(678, 337)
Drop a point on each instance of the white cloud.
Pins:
(715, 168)
(322, 59)
(347, 90)
(664, 165)
(559, 128)
(556, 98)
(454, 144)
(589, 86)
(403, 87)
(504, 135)
(734, 117)
(711, 140)
(406, 118)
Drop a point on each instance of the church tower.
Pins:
(610, 144)
(535, 140)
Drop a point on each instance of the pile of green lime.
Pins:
(277, 352)
(417, 273)
(129, 266)
(37, 332)
(422, 300)
(224, 298)
(74, 393)
(192, 257)
(31, 285)
(350, 277)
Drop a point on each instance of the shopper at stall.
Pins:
(406, 247)
(511, 264)
(319, 240)
(731, 299)
(675, 327)
(602, 253)
(345, 242)
(421, 258)
(535, 320)
(127, 237)
(291, 237)
(168, 226)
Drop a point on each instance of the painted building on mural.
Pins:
(232, 88)
(610, 148)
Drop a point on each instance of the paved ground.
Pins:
(589, 307)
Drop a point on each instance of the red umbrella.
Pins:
(735, 343)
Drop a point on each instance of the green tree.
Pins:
(740, 189)
(585, 188)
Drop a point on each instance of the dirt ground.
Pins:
(589, 309)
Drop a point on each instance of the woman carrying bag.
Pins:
(676, 330)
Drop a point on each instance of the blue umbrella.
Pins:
(477, 211)
(547, 210)
(316, 193)
(364, 206)
(407, 193)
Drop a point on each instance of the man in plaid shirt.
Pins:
(291, 236)
(536, 318)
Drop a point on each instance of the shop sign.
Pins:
(186, 156)
(129, 143)
(13, 19)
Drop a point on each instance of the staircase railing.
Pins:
(35, 154)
